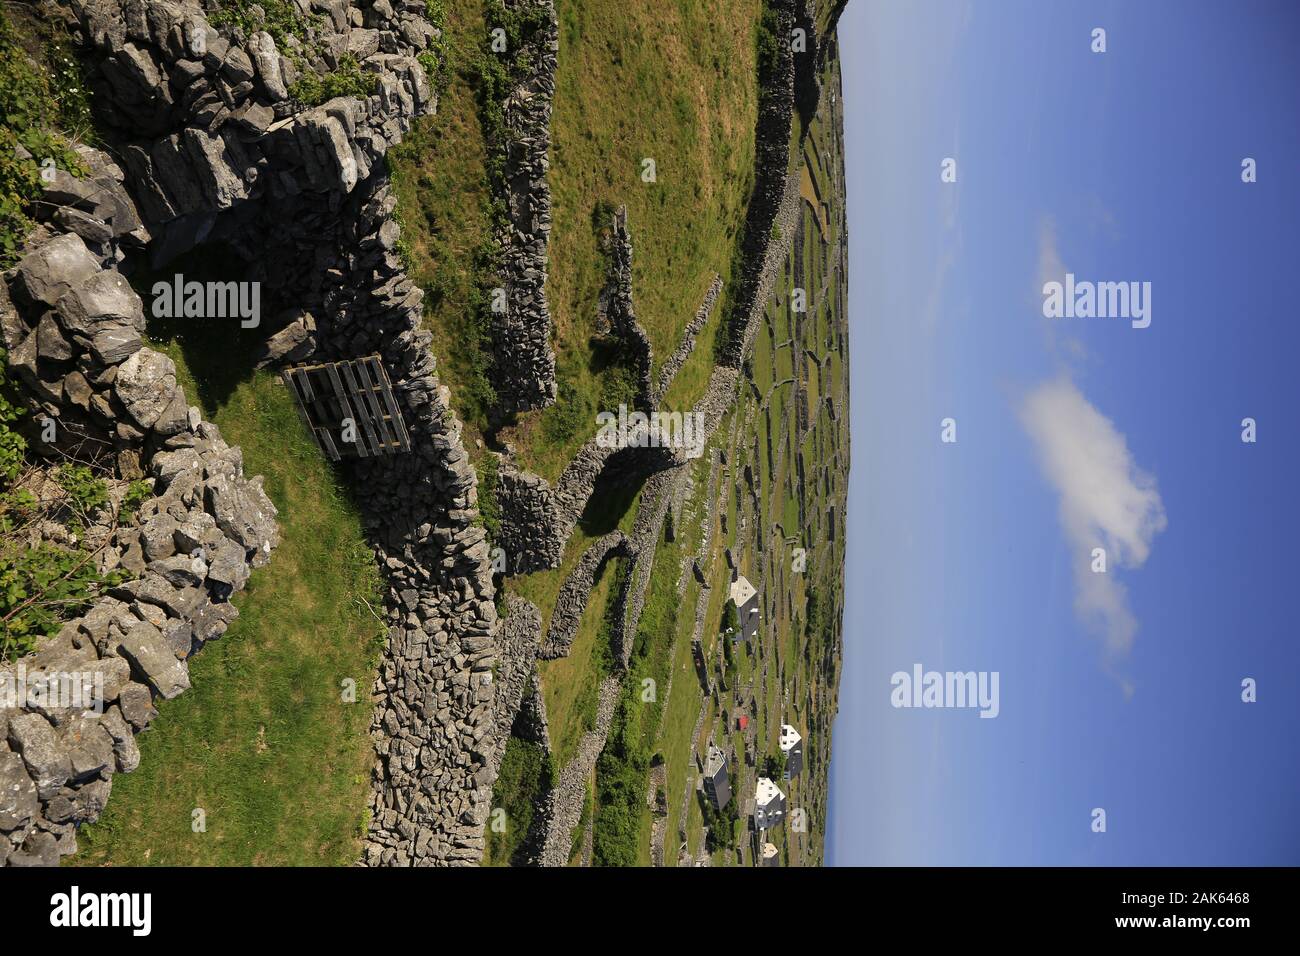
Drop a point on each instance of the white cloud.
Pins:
(1050, 266)
(1106, 501)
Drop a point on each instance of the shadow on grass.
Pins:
(612, 496)
(218, 351)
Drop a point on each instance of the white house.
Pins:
(769, 804)
(792, 746)
(745, 598)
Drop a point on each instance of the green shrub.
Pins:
(348, 79)
(570, 413)
(489, 509)
(769, 42)
(31, 112)
(435, 59)
(13, 447)
(86, 492)
(42, 586)
(525, 777)
(730, 619)
(136, 494)
(774, 766)
(279, 18)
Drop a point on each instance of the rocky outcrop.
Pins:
(524, 370)
(71, 328)
(218, 149)
(205, 117)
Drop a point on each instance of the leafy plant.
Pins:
(13, 447)
(42, 587)
(45, 585)
(30, 111)
(86, 492)
(435, 59)
(137, 494)
(489, 508)
(280, 18)
(312, 88)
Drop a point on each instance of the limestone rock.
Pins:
(18, 802)
(146, 648)
(144, 384)
(32, 736)
(52, 270)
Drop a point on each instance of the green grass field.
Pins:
(527, 773)
(571, 684)
(666, 82)
(264, 743)
(444, 205)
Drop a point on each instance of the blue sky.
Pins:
(1072, 432)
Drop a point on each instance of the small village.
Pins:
(768, 807)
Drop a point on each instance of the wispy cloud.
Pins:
(1050, 266)
(1105, 501)
(1065, 346)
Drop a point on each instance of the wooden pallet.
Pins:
(349, 408)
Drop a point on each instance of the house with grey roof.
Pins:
(717, 784)
(745, 598)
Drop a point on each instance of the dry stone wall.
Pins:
(614, 309)
(71, 326)
(517, 638)
(776, 113)
(687, 345)
(572, 599)
(525, 363)
(218, 151)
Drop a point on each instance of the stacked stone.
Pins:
(531, 723)
(561, 808)
(205, 117)
(434, 719)
(687, 344)
(301, 194)
(572, 599)
(776, 113)
(525, 363)
(517, 638)
(533, 531)
(72, 331)
(614, 309)
(537, 517)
